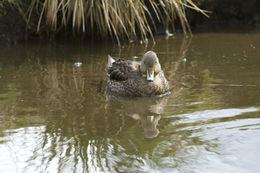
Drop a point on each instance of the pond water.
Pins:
(55, 115)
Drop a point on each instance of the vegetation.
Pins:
(115, 18)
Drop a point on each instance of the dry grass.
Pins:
(117, 18)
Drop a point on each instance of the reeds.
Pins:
(118, 18)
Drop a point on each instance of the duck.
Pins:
(143, 78)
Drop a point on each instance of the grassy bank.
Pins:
(116, 19)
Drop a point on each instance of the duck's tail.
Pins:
(110, 61)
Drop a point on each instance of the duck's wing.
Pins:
(121, 70)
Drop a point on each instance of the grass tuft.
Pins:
(119, 19)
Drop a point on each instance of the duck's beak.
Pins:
(150, 75)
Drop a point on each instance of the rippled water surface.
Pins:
(55, 115)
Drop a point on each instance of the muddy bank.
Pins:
(226, 13)
(12, 28)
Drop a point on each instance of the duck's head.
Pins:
(150, 65)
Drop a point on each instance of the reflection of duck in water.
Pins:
(132, 78)
(147, 111)
(149, 124)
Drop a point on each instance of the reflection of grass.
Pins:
(7, 98)
(13, 113)
(7, 105)
(118, 18)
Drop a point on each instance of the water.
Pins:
(55, 115)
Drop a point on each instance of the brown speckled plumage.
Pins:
(126, 79)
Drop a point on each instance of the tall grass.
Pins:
(117, 18)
